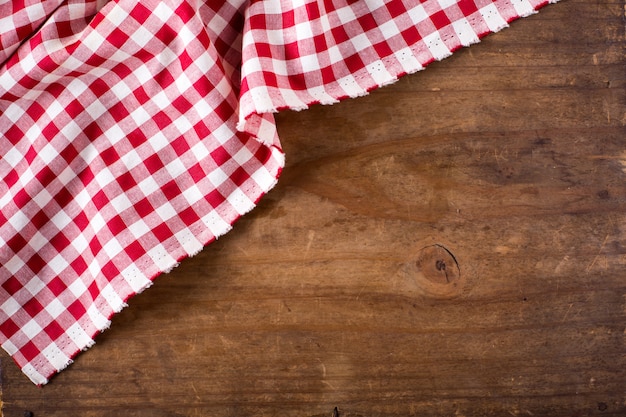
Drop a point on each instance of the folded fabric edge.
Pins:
(253, 103)
(214, 234)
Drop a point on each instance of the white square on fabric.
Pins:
(240, 201)
(407, 59)
(148, 186)
(175, 168)
(58, 264)
(49, 153)
(112, 248)
(309, 63)
(56, 357)
(161, 258)
(389, 29)
(141, 36)
(350, 86)
(418, 13)
(19, 220)
(303, 30)
(436, 46)
(224, 88)
(199, 151)
(523, 7)
(345, 14)
(192, 195)
(216, 223)
(140, 115)
(189, 242)
(465, 32)
(166, 211)
(104, 178)
(61, 219)
(251, 66)
(112, 298)
(79, 336)
(131, 159)
(97, 318)
(262, 98)
(263, 178)
(94, 40)
(55, 308)
(361, 42)
(273, 37)
(82, 199)
(34, 285)
(217, 176)
(161, 100)
(31, 329)
(138, 228)
(54, 109)
(158, 141)
(182, 83)
(78, 288)
(243, 155)
(114, 134)
(71, 130)
(96, 109)
(10, 306)
(492, 17)
(379, 73)
(38, 241)
(135, 278)
(182, 124)
(447, 3)
(266, 129)
(80, 243)
(13, 157)
(163, 12)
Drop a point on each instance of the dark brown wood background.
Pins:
(451, 245)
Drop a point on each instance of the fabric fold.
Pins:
(134, 133)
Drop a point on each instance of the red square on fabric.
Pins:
(29, 351)
(9, 328)
(12, 285)
(77, 309)
(440, 19)
(60, 241)
(33, 307)
(14, 134)
(367, 22)
(143, 207)
(467, 7)
(171, 190)
(116, 225)
(110, 271)
(56, 286)
(54, 330)
(36, 263)
(215, 198)
(79, 265)
(189, 216)
(162, 232)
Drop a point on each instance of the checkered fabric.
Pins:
(133, 133)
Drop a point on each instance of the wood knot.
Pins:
(438, 265)
(437, 272)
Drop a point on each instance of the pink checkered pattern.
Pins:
(133, 133)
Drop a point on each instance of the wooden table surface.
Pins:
(451, 245)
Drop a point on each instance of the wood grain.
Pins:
(451, 245)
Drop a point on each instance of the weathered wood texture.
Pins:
(452, 245)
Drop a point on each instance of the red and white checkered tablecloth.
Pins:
(133, 133)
